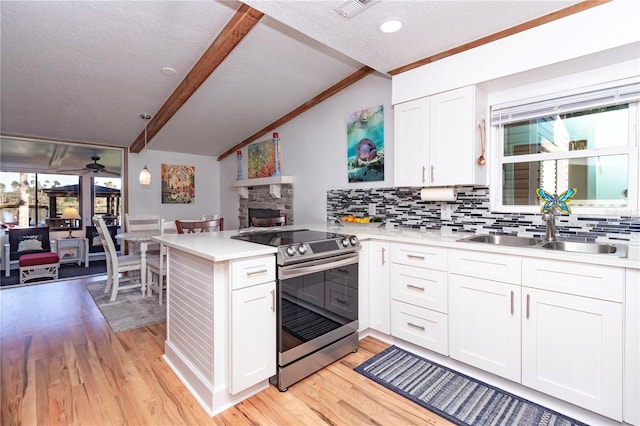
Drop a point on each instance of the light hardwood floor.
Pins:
(62, 364)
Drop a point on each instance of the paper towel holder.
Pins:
(443, 193)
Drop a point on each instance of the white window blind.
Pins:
(514, 112)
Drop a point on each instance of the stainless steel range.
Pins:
(317, 299)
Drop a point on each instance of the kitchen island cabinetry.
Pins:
(253, 322)
(221, 322)
(631, 385)
(437, 139)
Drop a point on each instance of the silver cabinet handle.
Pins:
(342, 301)
(417, 287)
(419, 327)
(261, 271)
(432, 170)
(528, 299)
(423, 170)
(415, 257)
(273, 300)
(382, 255)
(512, 307)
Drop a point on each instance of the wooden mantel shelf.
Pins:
(273, 182)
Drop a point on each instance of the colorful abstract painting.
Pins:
(365, 145)
(178, 184)
(262, 159)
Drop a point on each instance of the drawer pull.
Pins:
(512, 307)
(420, 327)
(260, 271)
(416, 287)
(343, 301)
(342, 270)
(273, 300)
(415, 257)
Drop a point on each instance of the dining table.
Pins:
(142, 239)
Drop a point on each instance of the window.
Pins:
(586, 141)
(35, 199)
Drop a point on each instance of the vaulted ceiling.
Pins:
(85, 71)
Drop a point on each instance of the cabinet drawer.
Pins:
(252, 271)
(417, 255)
(581, 279)
(490, 266)
(424, 288)
(419, 326)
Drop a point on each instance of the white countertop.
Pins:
(218, 246)
(215, 246)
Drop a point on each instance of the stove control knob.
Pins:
(345, 242)
(291, 251)
(353, 240)
(302, 249)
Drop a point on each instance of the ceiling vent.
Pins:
(350, 8)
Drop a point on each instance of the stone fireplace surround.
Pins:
(260, 199)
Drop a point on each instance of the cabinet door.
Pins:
(379, 291)
(484, 325)
(631, 407)
(572, 349)
(411, 134)
(452, 127)
(253, 336)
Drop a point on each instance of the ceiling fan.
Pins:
(95, 167)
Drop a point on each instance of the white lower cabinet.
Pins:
(484, 325)
(631, 387)
(252, 356)
(419, 296)
(559, 330)
(572, 349)
(379, 267)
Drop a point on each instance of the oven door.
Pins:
(317, 305)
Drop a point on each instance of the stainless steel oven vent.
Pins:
(350, 8)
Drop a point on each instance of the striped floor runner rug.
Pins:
(455, 396)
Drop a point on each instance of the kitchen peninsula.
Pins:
(222, 344)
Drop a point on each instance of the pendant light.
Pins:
(145, 175)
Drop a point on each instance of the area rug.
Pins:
(66, 271)
(130, 309)
(453, 395)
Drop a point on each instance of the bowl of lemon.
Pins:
(365, 222)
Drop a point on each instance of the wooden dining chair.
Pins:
(143, 222)
(117, 265)
(157, 268)
(268, 221)
(193, 226)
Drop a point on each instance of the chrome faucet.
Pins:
(550, 233)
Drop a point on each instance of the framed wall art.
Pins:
(178, 184)
(264, 158)
(365, 145)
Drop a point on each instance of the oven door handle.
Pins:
(305, 268)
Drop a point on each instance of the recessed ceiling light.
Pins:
(390, 26)
(168, 71)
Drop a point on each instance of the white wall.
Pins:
(314, 151)
(147, 199)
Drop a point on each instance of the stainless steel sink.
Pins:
(618, 250)
(504, 240)
(587, 248)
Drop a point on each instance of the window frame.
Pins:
(631, 150)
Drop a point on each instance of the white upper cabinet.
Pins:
(437, 139)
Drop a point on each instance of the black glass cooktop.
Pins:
(280, 238)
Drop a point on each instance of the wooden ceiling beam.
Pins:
(236, 29)
(558, 14)
(342, 84)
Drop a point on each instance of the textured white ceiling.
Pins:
(85, 70)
